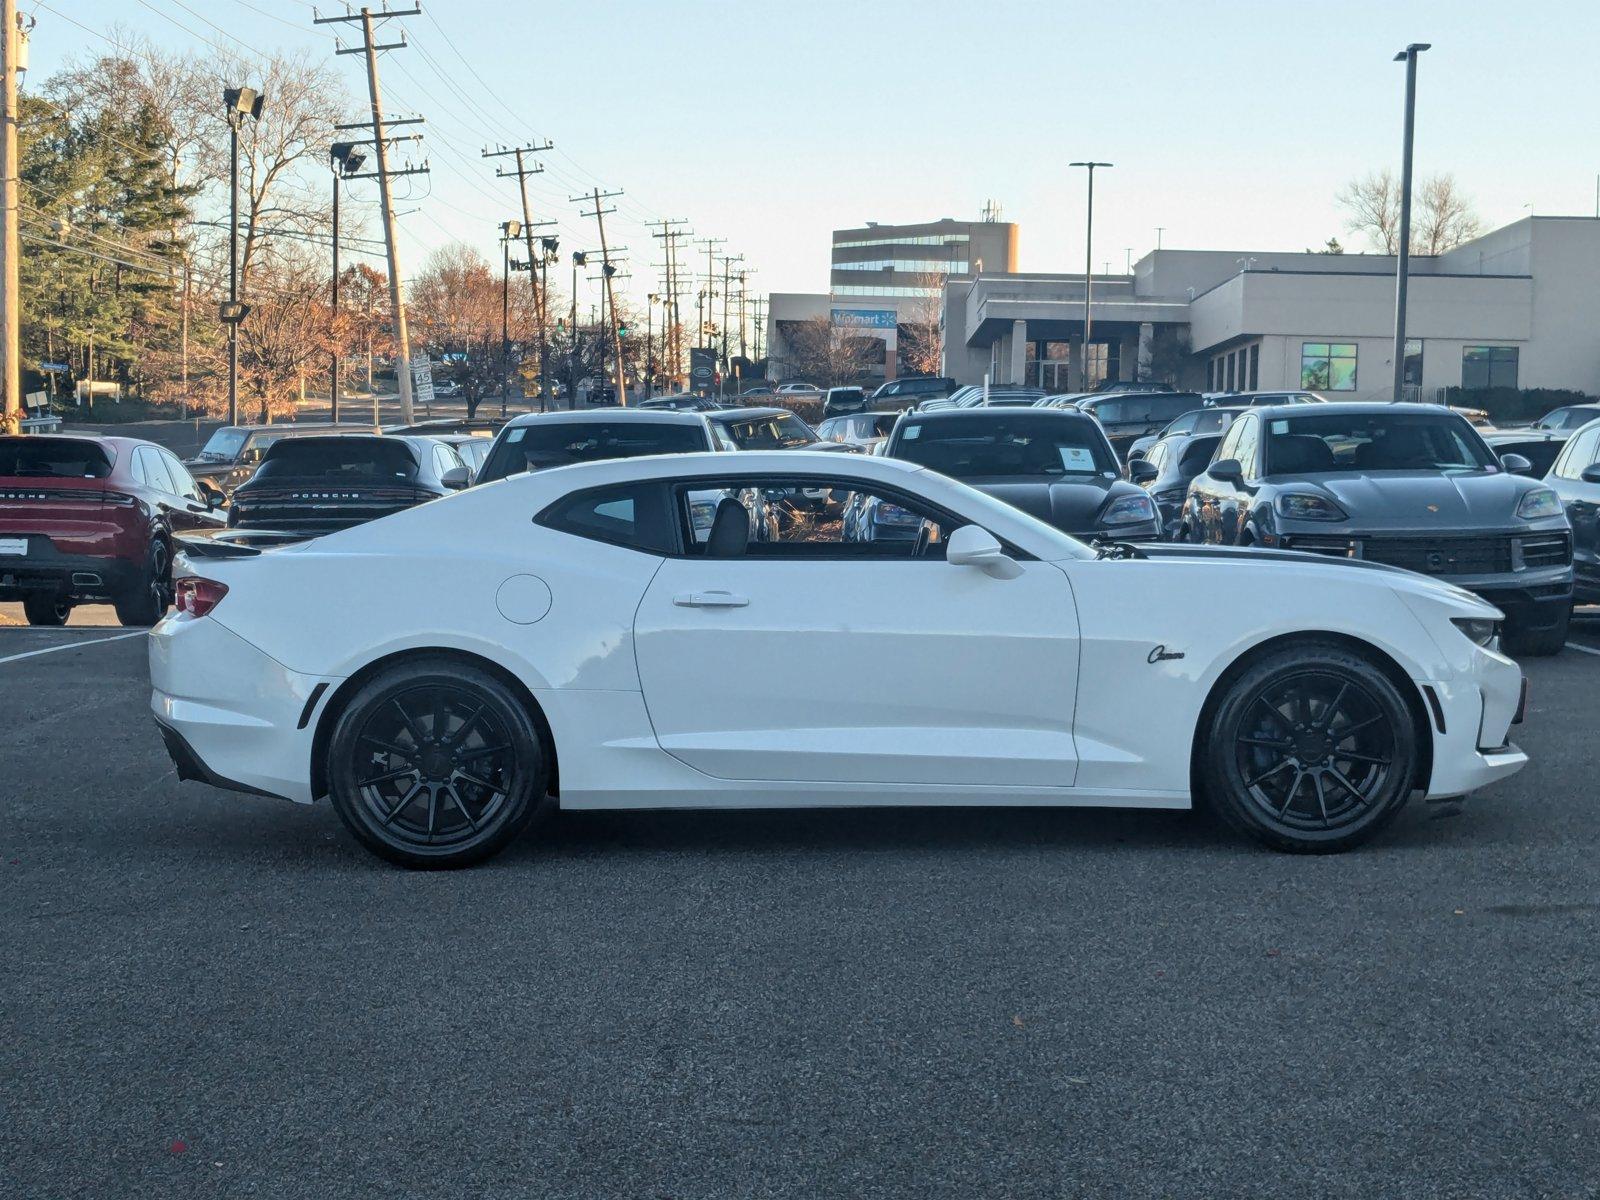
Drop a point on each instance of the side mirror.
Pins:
(1516, 464)
(456, 478)
(1141, 472)
(1591, 474)
(1229, 470)
(973, 546)
(213, 496)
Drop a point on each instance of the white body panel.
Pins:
(839, 683)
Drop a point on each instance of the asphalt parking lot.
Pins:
(218, 995)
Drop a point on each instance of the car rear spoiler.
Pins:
(235, 543)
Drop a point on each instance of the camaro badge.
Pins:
(1162, 654)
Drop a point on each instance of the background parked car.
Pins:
(1198, 420)
(1168, 468)
(1411, 485)
(998, 397)
(91, 519)
(315, 485)
(1056, 466)
(535, 441)
(798, 389)
(680, 402)
(1128, 416)
(472, 449)
(840, 400)
(863, 431)
(1258, 399)
(909, 390)
(232, 453)
(1569, 419)
(1576, 479)
(1541, 449)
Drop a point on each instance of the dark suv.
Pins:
(910, 391)
(1128, 416)
(233, 452)
(91, 519)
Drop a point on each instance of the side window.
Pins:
(632, 515)
(1247, 445)
(1157, 457)
(136, 468)
(182, 481)
(1112, 412)
(445, 459)
(779, 518)
(154, 473)
(1230, 442)
(1578, 454)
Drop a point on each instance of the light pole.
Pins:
(509, 230)
(1402, 267)
(345, 158)
(1088, 268)
(236, 102)
(649, 343)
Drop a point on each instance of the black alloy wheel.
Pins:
(436, 764)
(46, 608)
(1312, 749)
(146, 599)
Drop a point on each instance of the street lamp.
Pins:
(237, 103)
(1402, 267)
(346, 159)
(1088, 268)
(509, 232)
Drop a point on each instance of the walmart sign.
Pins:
(866, 318)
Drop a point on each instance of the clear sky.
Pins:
(1232, 123)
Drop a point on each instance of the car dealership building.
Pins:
(1515, 307)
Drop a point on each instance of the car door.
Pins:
(1582, 500)
(194, 513)
(1208, 495)
(809, 657)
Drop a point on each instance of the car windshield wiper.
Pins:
(1111, 548)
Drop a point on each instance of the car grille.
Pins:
(1486, 555)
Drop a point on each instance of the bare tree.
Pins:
(828, 354)
(1441, 216)
(922, 336)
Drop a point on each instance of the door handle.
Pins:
(710, 600)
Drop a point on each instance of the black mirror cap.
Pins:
(1229, 470)
(1140, 471)
(1516, 464)
(1591, 473)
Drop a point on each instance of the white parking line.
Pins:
(1583, 649)
(97, 641)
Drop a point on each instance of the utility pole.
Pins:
(1402, 267)
(606, 271)
(384, 175)
(727, 261)
(528, 225)
(672, 348)
(709, 307)
(13, 59)
(508, 232)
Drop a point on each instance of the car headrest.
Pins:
(1298, 454)
(730, 530)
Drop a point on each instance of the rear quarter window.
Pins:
(636, 516)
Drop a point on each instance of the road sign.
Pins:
(422, 379)
(57, 368)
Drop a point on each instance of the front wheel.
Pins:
(1310, 750)
(436, 764)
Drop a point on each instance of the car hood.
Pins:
(1071, 504)
(1453, 502)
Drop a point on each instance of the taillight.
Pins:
(195, 597)
(119, 499)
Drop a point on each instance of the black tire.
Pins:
(43, 608)
(1521, 642)
(1286, 713)
(145, 600)
(436, 764)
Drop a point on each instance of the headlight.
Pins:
(1480, 630)
(1126, 510)
(1303, 506)
(1539, 503)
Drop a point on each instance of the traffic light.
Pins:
(622, 331)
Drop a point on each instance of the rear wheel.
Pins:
(145, 601)
(1311, 750)
(46, 609)
(1522, 642)
(436, 764)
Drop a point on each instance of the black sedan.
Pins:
(316, 485)
(1540, 448)
(1057, 466)
(1410, 485)
(1167, 468)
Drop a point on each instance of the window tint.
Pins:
(1165, 408)
(182, 481)
(1212, 421)
(790, 518)
(1579, 453)
(1184, 424)
(59, 458)
(559, 443)
(1374, 442)
(1230, 442)
(340, 459)
(1112, 412)
(780, 431)
(1034, 444)
(445, 459)
(155, 472)
(634, 515)
(1196, 455)
(1245, 448)
(1157, 455)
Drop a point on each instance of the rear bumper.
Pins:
(231, 715)
(79, 576)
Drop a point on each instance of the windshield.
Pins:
(53, 458)
(1376, 441)
(341, 459)
(1033, 445)
(561, 443)
(781, 431)
(223, 446)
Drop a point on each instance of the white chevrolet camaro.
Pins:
(695, 631)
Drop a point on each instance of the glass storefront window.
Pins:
(1328, 366)
(1489, 366)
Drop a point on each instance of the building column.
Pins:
(1075, 363)
(891, 355)
(1019, 351)
(1147, 335)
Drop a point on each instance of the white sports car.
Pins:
(576, 637)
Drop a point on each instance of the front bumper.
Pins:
(1472, 713)
(231, 715)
